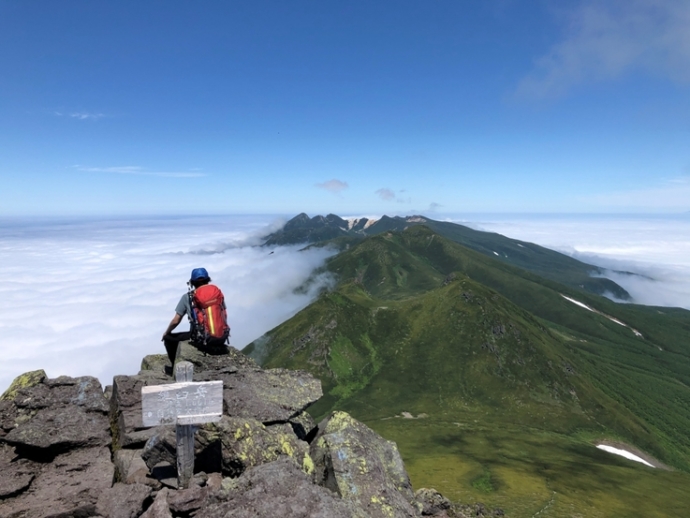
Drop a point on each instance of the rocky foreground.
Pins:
(69, 449)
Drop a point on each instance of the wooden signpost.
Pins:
(185, 404)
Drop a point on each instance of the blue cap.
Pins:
(199, 273)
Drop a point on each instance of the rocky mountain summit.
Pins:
(70, 449)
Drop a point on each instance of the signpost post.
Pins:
(185, 404)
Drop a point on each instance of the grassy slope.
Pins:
(516, 381)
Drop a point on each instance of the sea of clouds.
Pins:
(94, 297)
(655, 247)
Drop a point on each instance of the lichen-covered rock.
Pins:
(155, 362)
(232, 446)
(26, 380)
(276, 489)
(430, 502)
(269, 396)
(125, 409)
(123, 501)
(362, 467)
(246, 443)
(68, 486)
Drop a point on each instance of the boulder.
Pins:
(125, 409)
(161, 447)
(68, 486)
(362, 467)
(224, 359)
(84, 392)
(232, 446)
(56, 415)
(26, 380)
(123, 501)
(159, 508)
(55, 430)
(130, 468)
(246, 443)
(156, 363)
(278, 488)
(269, 396)
(430, 502)
(186, 501)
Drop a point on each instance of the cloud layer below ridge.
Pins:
(92, 298)
(655, 247)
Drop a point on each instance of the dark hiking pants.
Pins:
(171, 341)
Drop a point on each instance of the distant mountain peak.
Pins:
(548, 263)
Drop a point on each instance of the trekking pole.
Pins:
(193, 323)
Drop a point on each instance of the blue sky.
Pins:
(171, 107)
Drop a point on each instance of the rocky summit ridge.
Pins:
(68, 448)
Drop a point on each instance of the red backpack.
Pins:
(211, 320)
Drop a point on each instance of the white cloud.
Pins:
(386, 194)
(389, 195)
(80, 115)
(606, 39)
(657, 248)
(140, 171)
(334, 186)
(93, 298)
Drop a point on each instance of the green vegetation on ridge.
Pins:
(494, 357)
(547, 263)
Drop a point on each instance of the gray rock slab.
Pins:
(125, 409)
(35, 402)
(123, 501)
(226, 359)
(362, 467)
(270, 396)
(85, 392)
(276, 489)
(61, 428)
(68, 486)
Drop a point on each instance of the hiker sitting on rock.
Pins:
(204, 304)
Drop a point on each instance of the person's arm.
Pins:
(172, 325)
